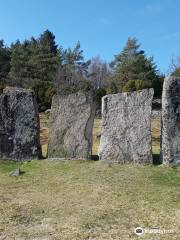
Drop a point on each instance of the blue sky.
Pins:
(102, 26)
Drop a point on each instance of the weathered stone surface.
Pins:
(126, 127)
(19, 125)
(15, 173)
(71, 124)
(170, 145)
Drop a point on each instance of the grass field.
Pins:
(69, 200)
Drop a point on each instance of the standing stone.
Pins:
(126, 127)
(19, 125)
(71, 125)
(170, 145)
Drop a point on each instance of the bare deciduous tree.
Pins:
(99, 73)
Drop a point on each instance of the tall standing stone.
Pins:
(19, 125)
(170, 145)
(126, 127)
(71, 125)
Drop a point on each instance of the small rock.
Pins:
(156, 104)
(48, 111)
(15, 173)
(156, 114)
(98, 114)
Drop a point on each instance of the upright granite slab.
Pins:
(170, 143)
(71, 125)
(126, 127)
(19, 125)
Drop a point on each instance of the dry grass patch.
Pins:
(156, 133)
(96, 135)
(87, 200)
(44, 131)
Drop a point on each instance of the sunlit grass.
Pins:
(87, 200)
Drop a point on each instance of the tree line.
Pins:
(42, 65)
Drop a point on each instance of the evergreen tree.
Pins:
(21, 69)
(44, 57)
(44, 61)
(133, 70)
(48, 39)
(112, 88)
(4, 64)
(34, 64)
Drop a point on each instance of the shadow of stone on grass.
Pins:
(156, 159)
(95, 157)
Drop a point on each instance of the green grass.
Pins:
(87, 200)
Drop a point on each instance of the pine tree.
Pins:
(34, 64)
(44, 60)
(21, 69)
(133, 70)
(48, 39)
(4, 64)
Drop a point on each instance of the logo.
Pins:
(139, 231)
